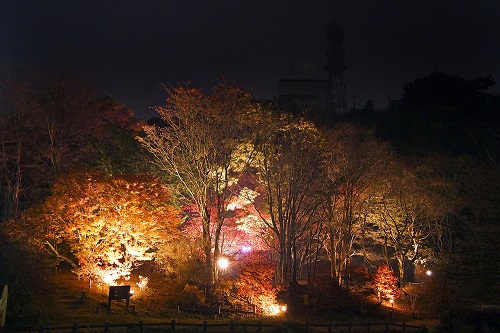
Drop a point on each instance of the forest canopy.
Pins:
(288, 202)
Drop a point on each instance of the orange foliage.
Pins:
(255, 281)
(385, 284)
(110, 225)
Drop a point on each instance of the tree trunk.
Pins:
(401, 270)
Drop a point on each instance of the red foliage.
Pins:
(358, 277)
(255, 281)
(241, 226)
(385, 284)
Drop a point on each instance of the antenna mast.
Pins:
(335, 66)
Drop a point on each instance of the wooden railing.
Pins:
(3, 306)
(366, 327)
(223, 327)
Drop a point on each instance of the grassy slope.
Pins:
(69, 301)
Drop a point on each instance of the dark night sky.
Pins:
(133, 46)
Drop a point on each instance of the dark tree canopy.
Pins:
(443, 113)
(447, 90)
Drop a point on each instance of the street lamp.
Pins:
(223, 263)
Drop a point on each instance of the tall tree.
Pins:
(355, 161)
(46, 129)
(289, 173)
(471, 264)
(17, 126)
(199, 148)
(403, 212)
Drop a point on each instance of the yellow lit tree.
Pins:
(288, 165)
(104, 227)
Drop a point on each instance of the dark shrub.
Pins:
(470, 320)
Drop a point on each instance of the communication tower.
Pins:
(335, 67)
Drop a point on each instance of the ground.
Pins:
(70, 301)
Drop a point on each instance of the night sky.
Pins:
(131, 47)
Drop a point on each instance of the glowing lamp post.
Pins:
(223, 263)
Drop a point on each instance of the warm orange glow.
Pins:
(110, 276)
(275, 309)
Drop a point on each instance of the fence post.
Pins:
(231, 325)
(259, 327)
(83, 297)
(368, 327)
(141, 326)
(172, 324)
(205, 323)
(330, 327)
(404, 327)
(106, 327)
(386, 327)
(75, 328)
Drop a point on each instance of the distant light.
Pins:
(246, 249)
(429, 273)
(131, 292)
(391, 300)
(223, 263)
(283, 308)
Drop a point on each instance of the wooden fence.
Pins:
(226, 327)
(3, 306)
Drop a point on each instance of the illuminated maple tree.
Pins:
(104, 227)
(243, 230)
(385, 284)
(255, 281)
